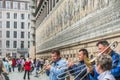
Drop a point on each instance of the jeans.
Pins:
(19, 67)
(36, 70)
(13, 68)
(27, 72)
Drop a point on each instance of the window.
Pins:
(0, 44)
(0, 24)
(22, 44)
(22, 34)
(28, 25)
(28, 6)
(7, 44)
(7, 34)
(8, 4)
(7, 24)
(0, 34)
(0, 4)
(15, 34)
(22, 6)
(15, 44)
(22, 16)
(15, 24)
(15, 5)
(28, 16)
(28, 44)
(8, 15)
(22, 25)
(0, 14)
(28, 35)
(15, 15)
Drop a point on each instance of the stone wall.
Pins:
(75, 24)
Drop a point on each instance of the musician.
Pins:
(51, 70)
(102, 45)
(103, 67)
(76, 69)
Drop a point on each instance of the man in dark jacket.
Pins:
(75, 69)
(37, 66)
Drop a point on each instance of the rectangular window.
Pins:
(8, 15)
(7, 34)
(28, 44)
(28, 35)
(7, 24)
(22, 6)
(22, 44)
(15, 5)
(1, 4)
(7, 44)
(8, 4)
(22, 34)
(0, 24)
(15, 15)
(0, 44)
(28, 25)
(15, 44)
(22, 16)
(28, 6)
(22, 25)
(28, 16)
(15, 24)
(0, 34)
(0, 14)
(15, 34)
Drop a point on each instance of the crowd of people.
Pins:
(105, 66)
(28, 65)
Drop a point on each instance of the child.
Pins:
(103, 67)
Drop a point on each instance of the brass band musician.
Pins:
(102, 45)
(51, 70)
(76, 69)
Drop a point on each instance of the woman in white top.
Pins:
(103, 67)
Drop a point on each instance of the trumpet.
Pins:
(43, 70)
(65, 65)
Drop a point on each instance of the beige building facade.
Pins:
(14, 28)
(69, 25)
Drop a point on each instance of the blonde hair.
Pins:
(105, 62)
(27, 59)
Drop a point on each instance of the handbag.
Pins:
(6, 76)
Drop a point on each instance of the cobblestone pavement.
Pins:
(19, 76)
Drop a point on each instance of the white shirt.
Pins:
(106, 76)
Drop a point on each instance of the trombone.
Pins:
(88, 63)
(59, 76)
